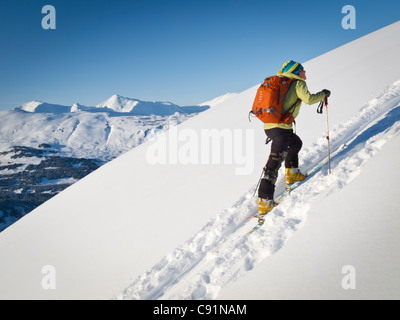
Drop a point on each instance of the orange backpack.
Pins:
(268, 103)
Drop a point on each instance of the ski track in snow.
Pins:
(221, 252)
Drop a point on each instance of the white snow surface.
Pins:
(138, 229)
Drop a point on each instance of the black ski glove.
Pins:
(327, 92)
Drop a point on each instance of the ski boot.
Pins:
(293, 175)
(264, 207)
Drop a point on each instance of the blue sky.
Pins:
(183, 51)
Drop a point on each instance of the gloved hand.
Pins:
(327, 92)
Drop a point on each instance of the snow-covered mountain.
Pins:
(43, 107)
(137, 107)
(104, 131)
(167, 220)
(115, 105)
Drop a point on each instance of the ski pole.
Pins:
(258, 184)
(263, 170)
(327, 134)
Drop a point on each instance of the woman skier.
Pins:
(285, 143)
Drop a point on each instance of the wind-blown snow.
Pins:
(139, 230)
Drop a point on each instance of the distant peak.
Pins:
(44, 107)
(30, 106)
(119, 103)
(118, 96)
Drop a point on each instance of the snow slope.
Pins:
(209, 261)
(356, 226)
(166, 220)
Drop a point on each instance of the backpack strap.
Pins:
(291, 109)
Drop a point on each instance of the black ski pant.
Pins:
(286, 146)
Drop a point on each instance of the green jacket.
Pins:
(298, 89)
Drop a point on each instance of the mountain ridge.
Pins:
(115, 104)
